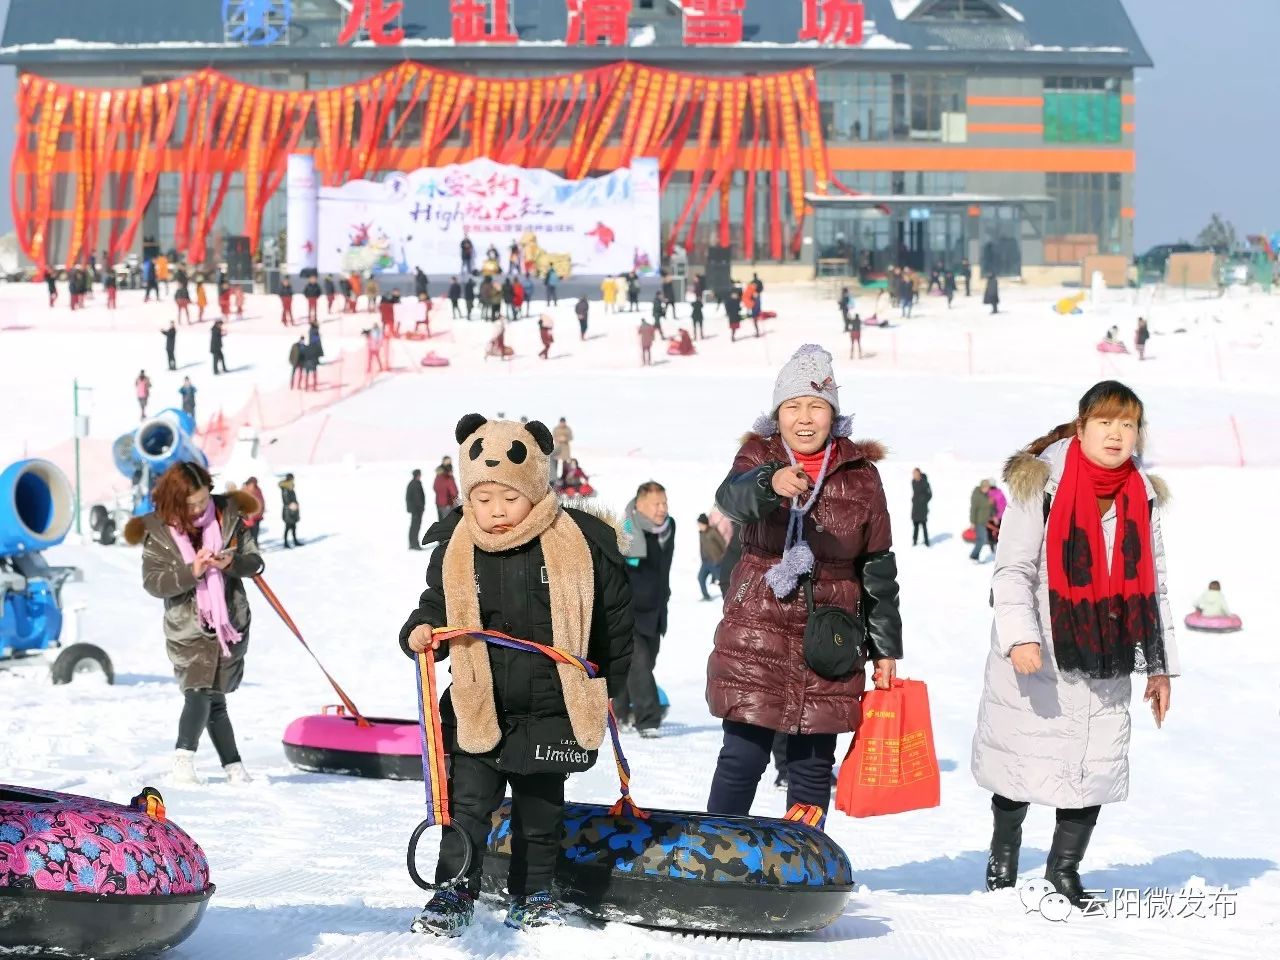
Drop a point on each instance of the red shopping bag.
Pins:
(891, 766)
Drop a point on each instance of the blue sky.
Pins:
(1207, 117)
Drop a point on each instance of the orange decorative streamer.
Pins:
(106, 149)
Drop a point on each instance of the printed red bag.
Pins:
(891, 766)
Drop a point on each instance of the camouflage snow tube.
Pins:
(690, 871)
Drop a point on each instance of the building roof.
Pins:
(1062, 34)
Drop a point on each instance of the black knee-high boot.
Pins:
(1070, 843)
(1006, 842)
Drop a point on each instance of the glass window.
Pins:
(1082, 110)
(1085, 217)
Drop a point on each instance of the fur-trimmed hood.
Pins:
(847, 450)
(1027, 475)
(240, 503)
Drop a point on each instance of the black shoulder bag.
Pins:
(833, 639)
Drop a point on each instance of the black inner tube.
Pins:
(412, 858)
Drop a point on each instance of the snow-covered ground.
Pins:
(313, 866)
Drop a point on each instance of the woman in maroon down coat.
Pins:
(799, 468)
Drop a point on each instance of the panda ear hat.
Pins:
(504, 452)
(468, 425)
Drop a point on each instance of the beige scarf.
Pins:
(571, 581)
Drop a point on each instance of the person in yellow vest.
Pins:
(609, 289)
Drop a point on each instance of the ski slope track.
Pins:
(312, 866)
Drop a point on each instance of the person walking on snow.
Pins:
(609, 293)
(455, 294)
(109, 284)
(659, 311)
(311, 293)
(544, 334)
(501, 564)
(582, 309)
(291, 514)
(215, 347)
(696, 313)
(921, 494)
(415, 502)
(646, 343)
(182, 297)
(992, 297)
(649, 544)
(981, 512)
(445, 489)
(552, 279)
(562, 450)
(196, 560)
(171, 345)
(812, 514)
(202, 300)
(51, 282)
(373, 349)
(1140, 338)
(330, 292)
(712, 548)
(297, 354)
(142, 387)
(286, 302)
(1080, 601)
(188, 393)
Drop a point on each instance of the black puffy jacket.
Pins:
(515, 600)
(651, 584)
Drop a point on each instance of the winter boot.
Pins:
(534, 912)
(651, 733)
(184, 768)
(1070, 843)
(237, 774)
(1006, 842)
(447, 915)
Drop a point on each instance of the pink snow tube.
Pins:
(81, 877)
(1111, 346)
(1198, 621)
(434, 359)
(336, 743)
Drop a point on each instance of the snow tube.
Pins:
(335, 743)
(1198, 621)
(690, 871)
(581, 490)
(1111, 346)
(84, 878)
(876, 322)
(664, 703)
(434, 359)
(970, 535)
(768, 315)
(415, 335)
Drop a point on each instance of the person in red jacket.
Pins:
(446, 488)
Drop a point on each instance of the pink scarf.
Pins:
(211, 590)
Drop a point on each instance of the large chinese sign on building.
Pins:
(607, 224)
(606, 22)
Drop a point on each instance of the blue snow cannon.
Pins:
(36, 511)
(143, 455)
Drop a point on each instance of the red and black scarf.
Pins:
(1104, 613)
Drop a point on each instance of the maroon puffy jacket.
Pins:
(757, 673)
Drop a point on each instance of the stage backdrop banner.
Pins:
(300, 214)
(602, 225)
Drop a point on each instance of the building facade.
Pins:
(1005, 128)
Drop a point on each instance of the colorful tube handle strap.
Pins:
(278, 607)
(433, 757)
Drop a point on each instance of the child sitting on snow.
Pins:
(514, 561)
(1212, 603)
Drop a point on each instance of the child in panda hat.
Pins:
(513, 560)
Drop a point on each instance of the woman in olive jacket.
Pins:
(195, 557)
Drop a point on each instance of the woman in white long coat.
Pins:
(1078, 611)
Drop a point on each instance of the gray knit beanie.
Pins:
(807, 374)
